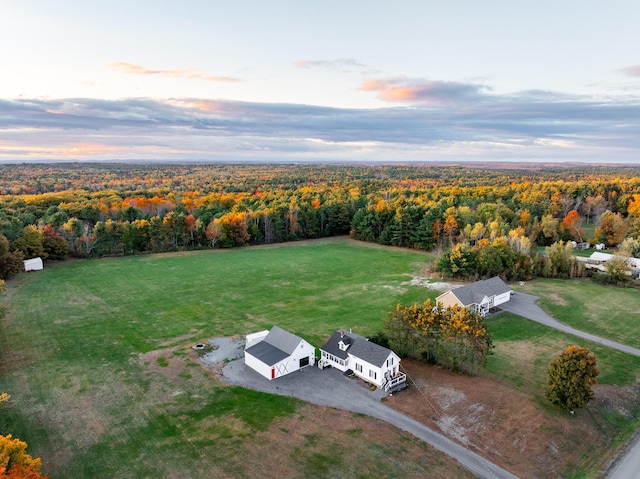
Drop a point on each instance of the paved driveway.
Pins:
(525, 305)
(329, 387)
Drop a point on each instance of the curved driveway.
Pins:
(329, 387)
(525, 305)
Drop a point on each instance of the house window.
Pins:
(359, 367)
(373, 374)
(389, 362)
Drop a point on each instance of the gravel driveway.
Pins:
(329, 387)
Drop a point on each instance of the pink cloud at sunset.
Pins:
(189, 73)
(421, 91)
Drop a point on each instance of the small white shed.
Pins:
(277, 353)
(33, 264)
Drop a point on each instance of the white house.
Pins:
(277, 353)
(33, 264)
(370, 361)
(479, 297)
(598, 259)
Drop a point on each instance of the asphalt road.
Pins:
(629, 466)
(525, 305)
(329, 387)
(312, 385)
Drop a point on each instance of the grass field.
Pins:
(97, 356)
(524, 350)
(603, 310)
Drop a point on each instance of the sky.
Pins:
(349, 80)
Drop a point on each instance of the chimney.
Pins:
(341, 333)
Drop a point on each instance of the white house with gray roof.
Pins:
(277, 352)
(479, 297)
(370, 361)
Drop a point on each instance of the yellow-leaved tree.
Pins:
(15, 463)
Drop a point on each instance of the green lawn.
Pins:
(606, 311)
(524, 350)
(95, 352)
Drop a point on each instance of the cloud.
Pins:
(340, 64)
(632, 71)
(423, 91)
(448, 121)
(189, 73)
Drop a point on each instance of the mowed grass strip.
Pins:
(96, 353)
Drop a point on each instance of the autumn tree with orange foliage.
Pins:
(613, 228)
(233, 229)
(571, 223)
(15, 463)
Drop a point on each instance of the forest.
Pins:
(516, 222)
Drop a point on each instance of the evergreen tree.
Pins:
(570, 377)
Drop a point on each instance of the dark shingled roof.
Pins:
(474, 293)
(275, 346)
(360, 347)
(332, 346)
(267, 353)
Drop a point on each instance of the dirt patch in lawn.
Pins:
(555, 297)
(509, 428)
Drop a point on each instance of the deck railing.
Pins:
(393, 382)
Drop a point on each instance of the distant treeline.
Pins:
(90, 210)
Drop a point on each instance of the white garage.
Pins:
(278, 353)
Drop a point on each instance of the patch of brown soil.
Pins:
(555, 297)
(325, 442)
(506, 426)
(153, 361)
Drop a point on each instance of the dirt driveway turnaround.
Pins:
(330, 387)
